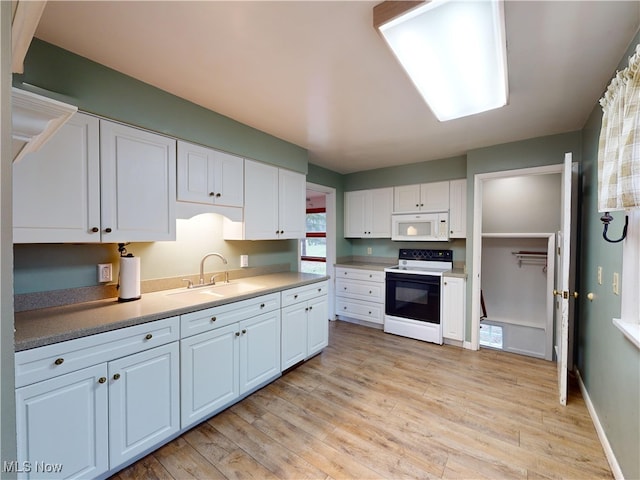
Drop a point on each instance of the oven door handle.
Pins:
(413, 278)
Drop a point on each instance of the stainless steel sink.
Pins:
(220, 291)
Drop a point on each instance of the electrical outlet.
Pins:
(244, 260)
(616, 283)
(599, 275)
(105, 272)
(369, 250)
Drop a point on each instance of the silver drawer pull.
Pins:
(213, 319)
(102, 379)
(148, 336)
(262, 305)
(59, 361)
(116, 376)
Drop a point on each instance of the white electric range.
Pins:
(413, 292)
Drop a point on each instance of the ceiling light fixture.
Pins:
(454, 51)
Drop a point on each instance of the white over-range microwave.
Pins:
(420, 227)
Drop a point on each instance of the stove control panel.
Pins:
(425, 255)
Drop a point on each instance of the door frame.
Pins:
(478, 182)
(330, 205)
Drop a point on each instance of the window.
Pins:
(630, 311)
(313, 247)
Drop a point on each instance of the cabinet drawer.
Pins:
(59, 358)
(304, 293)
(216, 317)
(360, 290)
(370, 312)
(359, 274)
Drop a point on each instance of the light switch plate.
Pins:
(599, 275)
(616, 283)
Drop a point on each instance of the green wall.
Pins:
(608, 363)
(424, 172)
(100, 90)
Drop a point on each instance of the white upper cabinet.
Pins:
(458, 208)
(292, 207)
(368, 213)
(426, 197)
(96, 181)
(209, 176)
(138, 177)
(56, 190)
(274, 204)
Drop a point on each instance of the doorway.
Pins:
(317, 252)
(517, 218)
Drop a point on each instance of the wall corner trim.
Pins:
(604, 441)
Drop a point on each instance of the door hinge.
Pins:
(565, 294)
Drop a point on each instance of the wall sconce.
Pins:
(606, 219)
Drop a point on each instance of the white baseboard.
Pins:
(467, 345)
(604, 441)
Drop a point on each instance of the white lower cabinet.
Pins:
(453, 308)
(63, 422)
(89, 406)
(210, 372)
(112, 405)
(360, 294)
(259, 350)
(305, 323)
(236, 349)
(144, 401)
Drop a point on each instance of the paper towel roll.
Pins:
(129, 288)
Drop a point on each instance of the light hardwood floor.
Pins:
(378, 406)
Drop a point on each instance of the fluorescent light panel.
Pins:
(455, 54)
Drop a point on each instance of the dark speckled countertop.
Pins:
(36, 328)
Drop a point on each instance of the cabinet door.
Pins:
(56, 190)
(228, 181)
(294, 334)
(64, 421)
(261, 201)
(453, 308)
(292, 205)
(434, 197)
(195, 174)
(354, 219)
(144, 401)
(317, 325)
(380, 205)
(406, 198)
(209, 365)
(458, 208)
(138, 174)
(259, 350)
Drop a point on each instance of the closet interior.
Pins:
(520, 220)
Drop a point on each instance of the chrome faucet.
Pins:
(213, 254)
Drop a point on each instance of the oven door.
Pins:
(413, 296)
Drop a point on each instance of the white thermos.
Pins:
(129, 278)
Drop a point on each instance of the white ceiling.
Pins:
(317, 74)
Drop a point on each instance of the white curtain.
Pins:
(619, 147)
